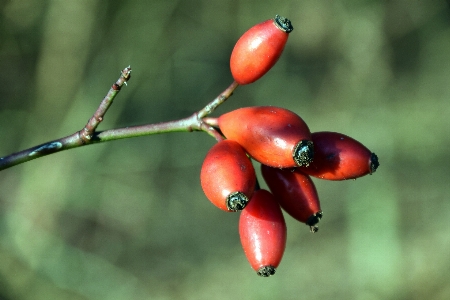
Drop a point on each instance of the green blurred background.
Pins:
(128, 219)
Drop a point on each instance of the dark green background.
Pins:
(128, 219)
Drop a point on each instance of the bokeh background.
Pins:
(128, 219)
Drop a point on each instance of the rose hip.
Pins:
(296, 194)
(258, 49)
(262, 230)
(340, 157)
(227, 176)
(274, 136)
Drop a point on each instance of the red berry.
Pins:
(273, 136)
(262, 230)
(227, 176)
(339, 157)
(258, 49)
(296, 194)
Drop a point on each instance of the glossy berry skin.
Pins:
(258, 49)
(340, 157)
(227, 176)
(274, 136)
(262, 230)
(296, 194)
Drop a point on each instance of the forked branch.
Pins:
(88, 135)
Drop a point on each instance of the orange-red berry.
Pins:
(274, 136)
(296, 194)
(227, 176)
(258, 49)
(262, 230)
(340, 157)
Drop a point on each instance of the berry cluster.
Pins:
(288, 152)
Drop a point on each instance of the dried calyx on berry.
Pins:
(313, 220)
(303, 153)
(374, 163)
(283, 23)
(236, 201)
(266, 271)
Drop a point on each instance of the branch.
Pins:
(88, 135)
(88, 130)
(208, 109)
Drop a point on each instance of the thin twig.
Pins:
(210, 107)
(88, 130)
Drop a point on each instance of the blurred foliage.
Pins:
(128, 219)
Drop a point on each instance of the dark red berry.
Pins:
(274, 136)
(296, 194)
(258, 49)
(227, 176)
(340, 157)
(262, 230)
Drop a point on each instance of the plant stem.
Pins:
(210, 107)
(88, 130)
(88, 135)
(214, 122)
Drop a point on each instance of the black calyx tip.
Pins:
(374, 163)
(266, 271)
(236, 201)
(283, 23)
(314, 220)
(303, 153)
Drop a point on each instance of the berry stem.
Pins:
(214, 122)
(88, 135)
(210, 107)
(212, 132)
